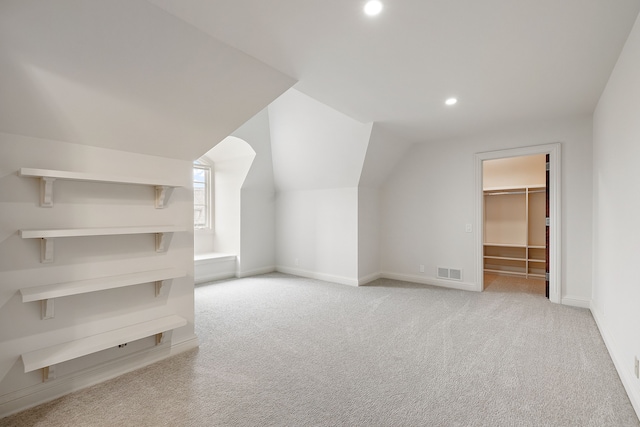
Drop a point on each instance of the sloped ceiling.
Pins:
(507, 61)
(126, 75)
(383, 153)
(314, 146)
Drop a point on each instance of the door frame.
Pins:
(555, 252)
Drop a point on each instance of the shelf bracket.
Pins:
(160, 338)
(46, 191)
(163, 193)
(48, 373)
(46, 250)
(162, 241)
(162, 286)
(47, 309)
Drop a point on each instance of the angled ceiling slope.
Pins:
(507, 61)
(125, 75)
(314, 146)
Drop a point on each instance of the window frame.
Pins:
(208, 189)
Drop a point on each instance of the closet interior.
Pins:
(515, 216)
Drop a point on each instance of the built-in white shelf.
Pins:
(47, 293)
(46, 358)
(48, 177)
(162, 232)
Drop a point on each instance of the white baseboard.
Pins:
(256, 271)
(315, 275)
(369, 278)
(47, 391)
(576, 302)
(625, 371)
(452, 284)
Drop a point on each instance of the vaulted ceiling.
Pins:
(507, 61)
(174, 77)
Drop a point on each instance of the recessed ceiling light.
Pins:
(373, 7)
(451, 101)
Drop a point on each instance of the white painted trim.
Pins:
(214, 277)
(20, 400)
(315, 275)
(576, 302)
(213, 258)
(256, 271)
(451, 284)
(555, 214)
(629, 382)
(368, 278)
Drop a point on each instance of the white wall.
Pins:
(384, 151)
(258, 210)
(429, 198)
(244, 204)
(368, 234)
(616, 244)
(85, 204)
(317, 234)
(318, 154)
(232, 159)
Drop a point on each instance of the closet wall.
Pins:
(514, 216)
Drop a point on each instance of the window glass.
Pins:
(201, 196)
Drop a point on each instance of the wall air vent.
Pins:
(449, 273)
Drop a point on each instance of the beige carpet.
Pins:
(278, 350)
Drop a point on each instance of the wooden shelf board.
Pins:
(536, 247)
(94, 177)
(57, 290)
(506, 245)
(81, 347)
(516, 273)
(104, 231)
(504, 258)
(537, 260)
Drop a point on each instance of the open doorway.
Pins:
(519, 244)
(515, 250)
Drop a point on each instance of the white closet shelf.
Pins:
(46, 293)
(47, 236)
(47, 357)
(48, 177)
